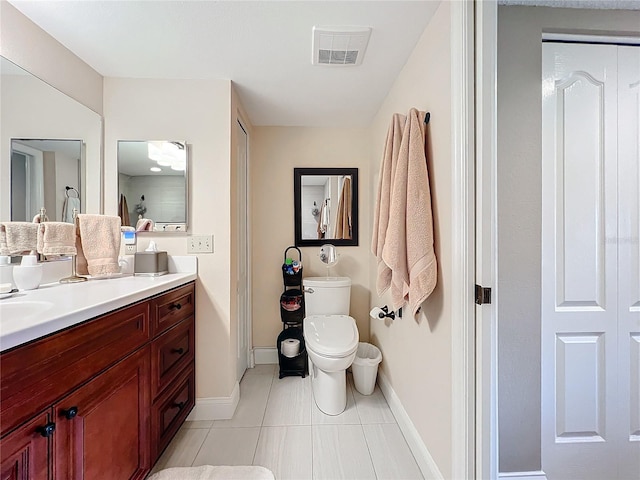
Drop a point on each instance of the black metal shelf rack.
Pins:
(292, 316)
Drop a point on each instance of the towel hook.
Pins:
(67, 188)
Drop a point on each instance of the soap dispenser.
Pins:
(28, 274)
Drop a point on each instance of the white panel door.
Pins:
(629, 258)
(579, 262)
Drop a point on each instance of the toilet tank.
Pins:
(327, 295)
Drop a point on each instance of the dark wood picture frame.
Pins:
(298, 173)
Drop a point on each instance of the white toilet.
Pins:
(331, 339)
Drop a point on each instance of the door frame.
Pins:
(247, 251)
(486, 214)
(465, 430)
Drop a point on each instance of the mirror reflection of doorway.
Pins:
(43, 171)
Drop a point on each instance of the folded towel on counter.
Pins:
(67, 208)
(56, 238)
(144, 225)
(125, 228)
(18, 238)
(100, 240)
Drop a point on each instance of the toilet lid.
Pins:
(331, 335)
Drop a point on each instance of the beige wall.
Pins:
(416, 354)
(519, 215)
(30, 47)
(197, 111)
(275, 152)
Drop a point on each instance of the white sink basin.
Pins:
(19, 311)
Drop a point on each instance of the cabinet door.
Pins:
(103, 426)
(24, 454)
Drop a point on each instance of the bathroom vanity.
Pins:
(103, 393)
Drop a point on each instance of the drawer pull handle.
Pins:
(46, 430)
(70, 413)
(179, 406)
(177, 306)
(179, 351)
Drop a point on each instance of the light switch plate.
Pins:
(200, 244)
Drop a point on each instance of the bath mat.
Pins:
(219, 472)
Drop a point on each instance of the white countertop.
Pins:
(56, 306)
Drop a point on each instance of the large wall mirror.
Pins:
(152, 185)
(326, 206)
(48, 142)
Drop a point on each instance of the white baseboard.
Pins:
(537, 475)
(216, 408)
(425, 461)
(265, 355)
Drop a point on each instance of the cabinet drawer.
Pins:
(170, 353)
(34, 376)
(170, 410)
(170, 308)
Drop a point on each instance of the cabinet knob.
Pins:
(46, 430)
(70, 413)
(179, 406)
(177, 306)
(179, 351)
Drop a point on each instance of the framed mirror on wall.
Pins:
(325, 206)
(153, 185)
(48, 141)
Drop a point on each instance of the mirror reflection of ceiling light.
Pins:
(155, 169)
(168, 154)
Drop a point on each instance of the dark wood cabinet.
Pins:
(99, 387)
(103, 427)
(25, 452)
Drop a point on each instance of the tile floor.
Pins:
(277, 425)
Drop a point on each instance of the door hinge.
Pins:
(483, 295)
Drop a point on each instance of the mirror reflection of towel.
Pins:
(67, 208)
(123, 211)
(343, 217)
(144, 225)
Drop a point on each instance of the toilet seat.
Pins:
(332, 336)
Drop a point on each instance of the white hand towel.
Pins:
(57, 238)
(67, 208)
(18, 238)
(100, 237)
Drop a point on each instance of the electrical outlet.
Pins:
(130, 249)
(200, 244)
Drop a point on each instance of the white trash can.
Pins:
(365, 367)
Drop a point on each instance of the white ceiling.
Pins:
(263, 46)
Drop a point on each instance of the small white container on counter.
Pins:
(28, 275)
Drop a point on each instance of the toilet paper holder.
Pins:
(383, 312)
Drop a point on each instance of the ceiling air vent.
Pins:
(339, 45)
